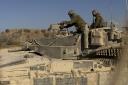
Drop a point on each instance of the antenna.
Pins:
(127, 5)
(126, 17)
(127, 9)
(111, 18)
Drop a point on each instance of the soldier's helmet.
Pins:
(94, 12)
(71, 12)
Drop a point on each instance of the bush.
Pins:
(7, 30)
(27, 30)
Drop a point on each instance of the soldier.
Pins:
(81, 28)
(98, 21)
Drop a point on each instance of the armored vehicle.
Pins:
(103, 43)
(58, 60)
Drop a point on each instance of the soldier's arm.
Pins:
(63, 24)
(66, 24)
(69, 23)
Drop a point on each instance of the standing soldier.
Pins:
(98, 21)
(81, 28)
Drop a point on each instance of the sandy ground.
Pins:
(8, 57)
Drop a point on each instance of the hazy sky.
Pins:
(41, 13)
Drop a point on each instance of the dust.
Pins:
(121, 73)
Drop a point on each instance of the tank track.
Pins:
(109, 53)
(108, 56)
(104, 52)
(106, 62)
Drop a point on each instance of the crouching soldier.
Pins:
(98, 20)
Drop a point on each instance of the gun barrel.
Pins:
(15, 50)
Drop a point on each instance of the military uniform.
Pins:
(81, 27)
(98, 21)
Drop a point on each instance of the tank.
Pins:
(103, 42)
(58, 60)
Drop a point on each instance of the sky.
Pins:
(42, 13)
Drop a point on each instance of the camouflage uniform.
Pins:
(98, 21)
(81, 27)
